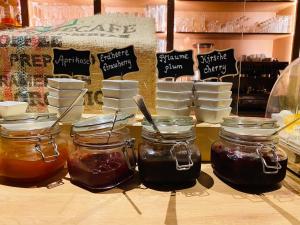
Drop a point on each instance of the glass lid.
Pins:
(28, 121)
(251, 122)
(103, 122)
(29, 118)
(249, 126)
(170, 124)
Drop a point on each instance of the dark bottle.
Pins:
(247, 152)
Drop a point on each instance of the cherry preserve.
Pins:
(247, 153)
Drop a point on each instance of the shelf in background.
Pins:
(161, 35)
(130, 3)
(234, 36)
(257, 68)
(232, 6)
(234, 1)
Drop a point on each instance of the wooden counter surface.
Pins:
(210, 201)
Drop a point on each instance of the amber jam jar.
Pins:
(247, 154)
(30, 152)
(173, 158)
(102, 156)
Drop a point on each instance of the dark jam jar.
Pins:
(247, 154)
(102, 156)
(173, 159)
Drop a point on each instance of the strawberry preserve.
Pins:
(102, 154)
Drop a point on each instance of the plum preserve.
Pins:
(172, 158)
(247, 154)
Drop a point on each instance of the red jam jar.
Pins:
(30, 151)
(102, 154)
(247, 153)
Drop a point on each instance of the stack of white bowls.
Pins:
(62, 93)
(174, 98)
(117, 95)
(212, 101)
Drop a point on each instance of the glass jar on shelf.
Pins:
(173, 158)
(102, 155)
(10, 13)
(247, 153)
(30, 151)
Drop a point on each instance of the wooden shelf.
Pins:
(161, 35)
(222, 1)
(71, 2)
(130, 3)
(232, 6)
(223, 35)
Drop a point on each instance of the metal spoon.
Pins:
(83, 91)
(139, 100)
(113, 125)
(285, 126)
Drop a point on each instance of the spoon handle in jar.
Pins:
(285, 126)
(112, 126)
(139, 100)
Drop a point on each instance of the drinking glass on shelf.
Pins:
(46, 13)
(159, 13)
(161, 45)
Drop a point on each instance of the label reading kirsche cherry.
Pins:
(217, 63)
(71, 62)
(175, 63)
(118, 62)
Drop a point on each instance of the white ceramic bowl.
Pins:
(63, 93)
(118, 103)
(120, 84)
(173, 112)
(173, 104)
(208, 94)
(66, 83)
(119, 93)
(174, 95)
(130, 110)
(72, 116)
(62, 102)
(175, 86)
(12, 108)
(213, 103)
(213, 86)
(211, 115)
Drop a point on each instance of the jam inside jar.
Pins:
(247, 154)
(30, 152)
(173, 158)
(102, 156)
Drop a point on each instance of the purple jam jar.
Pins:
(247, 153)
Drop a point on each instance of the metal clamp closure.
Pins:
(129, 144)
(49, 158)
(268, 169)
(182, 147)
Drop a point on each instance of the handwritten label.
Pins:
(175, 63)
(71, 61)
(118, 62)
(217, 63)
